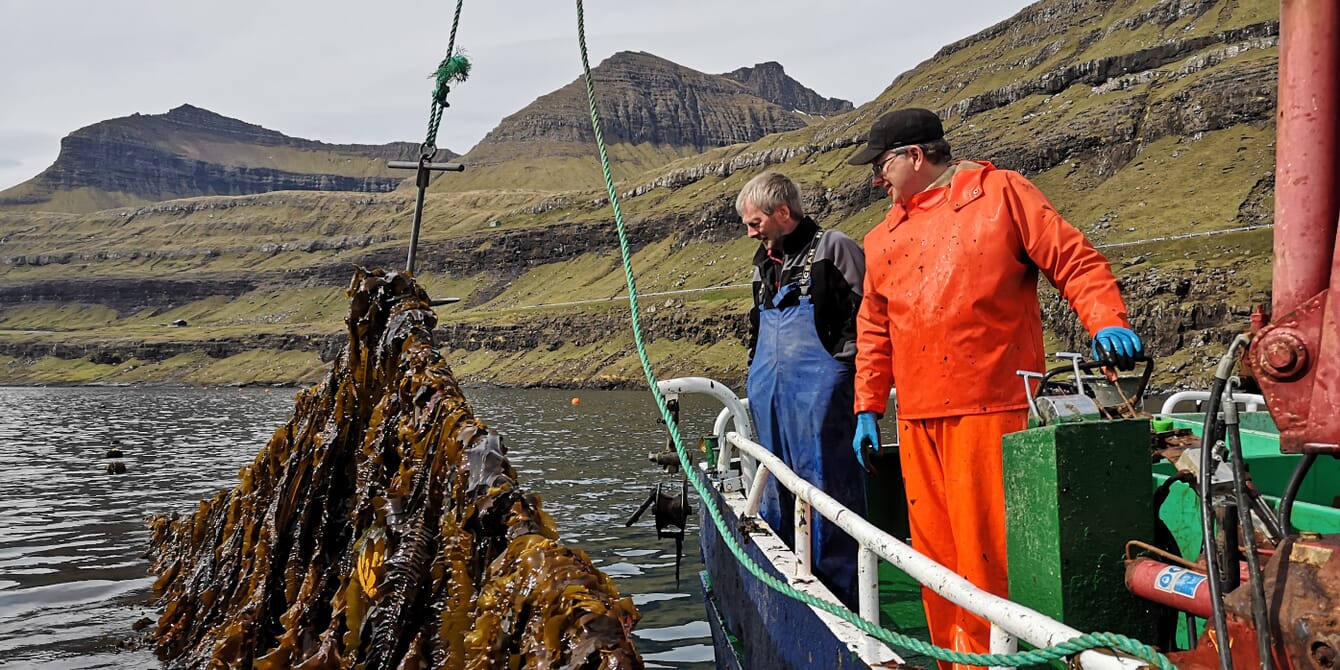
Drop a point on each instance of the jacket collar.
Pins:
(959, 185)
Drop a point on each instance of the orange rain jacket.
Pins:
(951, 306)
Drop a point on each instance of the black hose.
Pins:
(1291, 491)
(1207, 442)
(1254, 577)
(1230, 532)
(1161, 493)
(1266, 514)
(1163, 537)
(1166, 634)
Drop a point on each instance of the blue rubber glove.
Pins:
(867, 437)
(1118, 346)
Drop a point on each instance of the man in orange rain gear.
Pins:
(951, 312)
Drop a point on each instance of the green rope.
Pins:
(453, 68)
(1054, 653)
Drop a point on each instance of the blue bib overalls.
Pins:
(801, 400)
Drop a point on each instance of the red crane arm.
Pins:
(1296, 358)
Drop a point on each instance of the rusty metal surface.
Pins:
(1170, 445)
(1296, 361)
(1302, 583)
(1242, 647)
(1306, 151)
(1303, 579)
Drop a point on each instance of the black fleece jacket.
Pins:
(836, 282)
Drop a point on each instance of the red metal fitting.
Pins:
(1283, 354)
(1179, 588)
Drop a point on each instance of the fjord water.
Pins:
(73, 583)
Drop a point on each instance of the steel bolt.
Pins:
(1283, 355)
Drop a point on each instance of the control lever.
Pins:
(1074, 362)
(1028, 392)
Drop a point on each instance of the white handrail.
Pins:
(721, 392)
(1022, 622)
(756, 486)
(1252, 401)
(747, 466)
(867, 580)
(727, 415)
(1009, 619)
(1002, 643)
(804, 561)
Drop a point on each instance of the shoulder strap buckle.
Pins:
(807, 270)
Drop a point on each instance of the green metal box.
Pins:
(1075, 493)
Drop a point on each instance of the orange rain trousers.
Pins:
(956, 506)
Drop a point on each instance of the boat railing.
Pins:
(1251, 402)
(735, 412)
(1010, 621)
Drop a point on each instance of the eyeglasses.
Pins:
(878, 167)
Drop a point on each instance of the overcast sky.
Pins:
(357, 72)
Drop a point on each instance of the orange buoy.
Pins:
(576, 401)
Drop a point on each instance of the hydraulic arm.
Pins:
(1296, 357)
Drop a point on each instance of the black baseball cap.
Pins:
(899, 128)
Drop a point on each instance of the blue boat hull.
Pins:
(770, 630)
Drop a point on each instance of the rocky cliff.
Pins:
(770, 82)
(190, 152)
(644, 99)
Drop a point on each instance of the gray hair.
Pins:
(767, 191)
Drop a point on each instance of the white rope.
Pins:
(1206, 233)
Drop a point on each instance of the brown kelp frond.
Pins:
(382, 527)
(561, 603)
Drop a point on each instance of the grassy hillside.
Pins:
(1147, 123)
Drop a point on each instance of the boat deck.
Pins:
(900, 610)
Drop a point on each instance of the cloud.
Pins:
(346, 72)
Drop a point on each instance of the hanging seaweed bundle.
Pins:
(382, 527)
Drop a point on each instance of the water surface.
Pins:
(73, 582)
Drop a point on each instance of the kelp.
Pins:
(382, 527)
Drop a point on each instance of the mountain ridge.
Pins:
(664, 116)
(190, 151)
(1148, 123)
(770, 82)
(652, 111)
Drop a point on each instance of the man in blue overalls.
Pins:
(802, 348)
